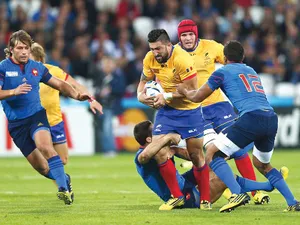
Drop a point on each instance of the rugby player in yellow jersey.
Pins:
(218, 113)
(50, 101)
(171, 66)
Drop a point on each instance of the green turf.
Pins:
(109, 191)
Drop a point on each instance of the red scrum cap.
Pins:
(187, 26)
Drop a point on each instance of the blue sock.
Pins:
(251, 185)
(57, 171)
(223, 171)
(276, 179)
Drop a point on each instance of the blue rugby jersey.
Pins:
(241, 84)
(11, 76)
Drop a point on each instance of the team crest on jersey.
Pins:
(11, 74)
(35, 72)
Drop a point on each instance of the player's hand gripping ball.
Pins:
(153, 88)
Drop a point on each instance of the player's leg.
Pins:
(59, 140)
(43, 142)
(225, 116)
(227, 143)
(40, 134)
(168, 172)
(200, 170)
(262, 154)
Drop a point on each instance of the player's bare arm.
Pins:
(141, 92)
(154, 147)
(20, 90)
(67, 89)
(195, 95)
(95, 106)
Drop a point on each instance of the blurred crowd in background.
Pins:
(78, 34)
(102, 43)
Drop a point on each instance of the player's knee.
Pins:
(64, 159)
(47, 150)
(43, 169)
(219, 154)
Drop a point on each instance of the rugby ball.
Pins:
(153, 88)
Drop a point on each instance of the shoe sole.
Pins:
(244, 202)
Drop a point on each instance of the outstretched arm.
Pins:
(195, 95)
(94, 104)
(67, 89)
(156, 146)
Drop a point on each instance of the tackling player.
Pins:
(257, 123)
(27, 120)
(172, 65)
(147, 168)
(217, 112)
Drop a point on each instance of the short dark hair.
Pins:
(158, 35)
(234, 51)
(141, 131)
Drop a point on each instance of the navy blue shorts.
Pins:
(258, 126)
(58, 134)
(219, 116)
(22, 131)
(187, 123)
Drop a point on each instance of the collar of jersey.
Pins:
(171, 52)
(190, 50)
(10, 58)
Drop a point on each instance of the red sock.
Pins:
(168, 172)
(245, 167)
(202, 178)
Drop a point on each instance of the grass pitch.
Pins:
(109, 191)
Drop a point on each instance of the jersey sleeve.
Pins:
(146, 67)
(46, 75)
(2, 75)
(185, 67)
(219, 49)
(216, 80)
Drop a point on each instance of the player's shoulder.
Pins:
(35, 64)
(4, 63)
(179, 53)
(52, 67)
(149, 56)
(210, 43)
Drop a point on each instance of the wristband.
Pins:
(168, 96)
(91, 100)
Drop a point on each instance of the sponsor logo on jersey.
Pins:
(24, 79)
(192, 131)
(11, 74)
(227, 116)
(60, 136)
(157, 128)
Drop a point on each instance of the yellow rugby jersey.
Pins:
(180, 66)
(206, 54)
(50, 97)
